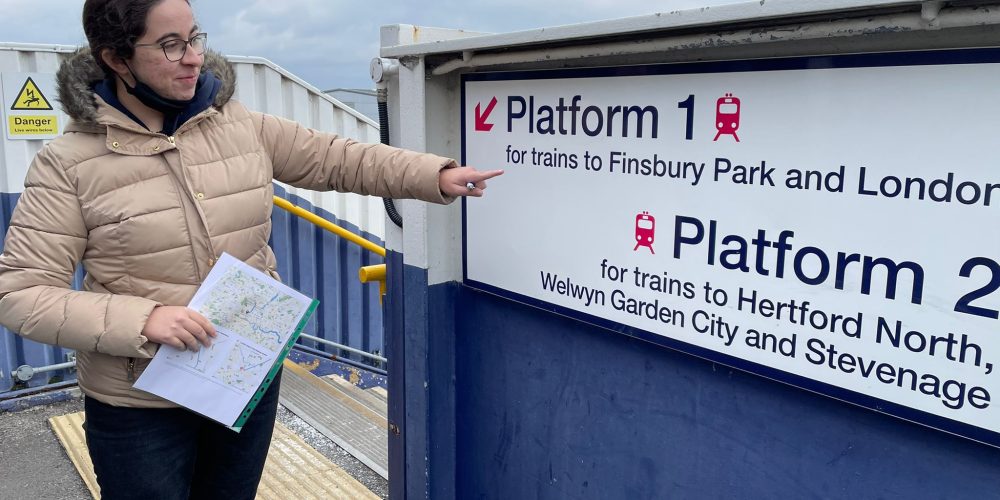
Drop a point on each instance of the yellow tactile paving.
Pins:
(293, 469)
(294, 466)
(69, 430)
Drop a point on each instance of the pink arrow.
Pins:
(481, 125)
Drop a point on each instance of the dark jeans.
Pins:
(172, 453)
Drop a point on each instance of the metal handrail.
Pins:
(366, 274)
(25, 373)
(343, 347)
(370, 274)
(329, 226)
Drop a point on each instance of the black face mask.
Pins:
(149, 97)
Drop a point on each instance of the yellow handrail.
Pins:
(367, 273)
(329, 226)
(372, 273)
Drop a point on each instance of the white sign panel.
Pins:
(29, 105)
(830, 222)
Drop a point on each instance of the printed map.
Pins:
(244, 368)
(205, 358)
(255, 317)
(253, 308)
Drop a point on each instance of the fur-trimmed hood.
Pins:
(77, 75)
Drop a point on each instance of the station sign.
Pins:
(827, 222)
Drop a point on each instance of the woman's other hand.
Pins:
(179, 327)
(465, 181)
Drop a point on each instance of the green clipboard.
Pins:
(273, 372)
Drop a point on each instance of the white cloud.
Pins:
(330, 42)
(50, 22)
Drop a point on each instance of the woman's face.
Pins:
(168, 20)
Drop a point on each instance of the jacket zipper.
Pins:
(185, 188)
(197, 207)
(131, 369)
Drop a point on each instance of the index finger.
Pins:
(488, 174)
(203, 321)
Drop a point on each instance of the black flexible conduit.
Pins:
(383, 130)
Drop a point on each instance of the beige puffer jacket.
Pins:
(147, 215)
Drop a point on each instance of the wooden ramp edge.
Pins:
(293, 468)
(354, 423)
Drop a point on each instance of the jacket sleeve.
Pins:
(46, 239)
(320, 161)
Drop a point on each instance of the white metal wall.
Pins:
(266, 87)
(17, 155)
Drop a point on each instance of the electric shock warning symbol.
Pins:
(727, 116)
(645, 231)
(30, 98)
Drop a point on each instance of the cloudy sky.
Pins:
(329, 43)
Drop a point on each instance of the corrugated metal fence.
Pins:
(310, 259)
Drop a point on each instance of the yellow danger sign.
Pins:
(33, 125)
(30, 98)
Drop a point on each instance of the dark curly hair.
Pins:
(115, 25)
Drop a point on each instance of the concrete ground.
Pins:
(33, 464)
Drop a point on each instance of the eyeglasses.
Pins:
(175, 49)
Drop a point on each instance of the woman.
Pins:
(157, 175)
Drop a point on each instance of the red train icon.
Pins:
(645, 231)
(727, 116)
